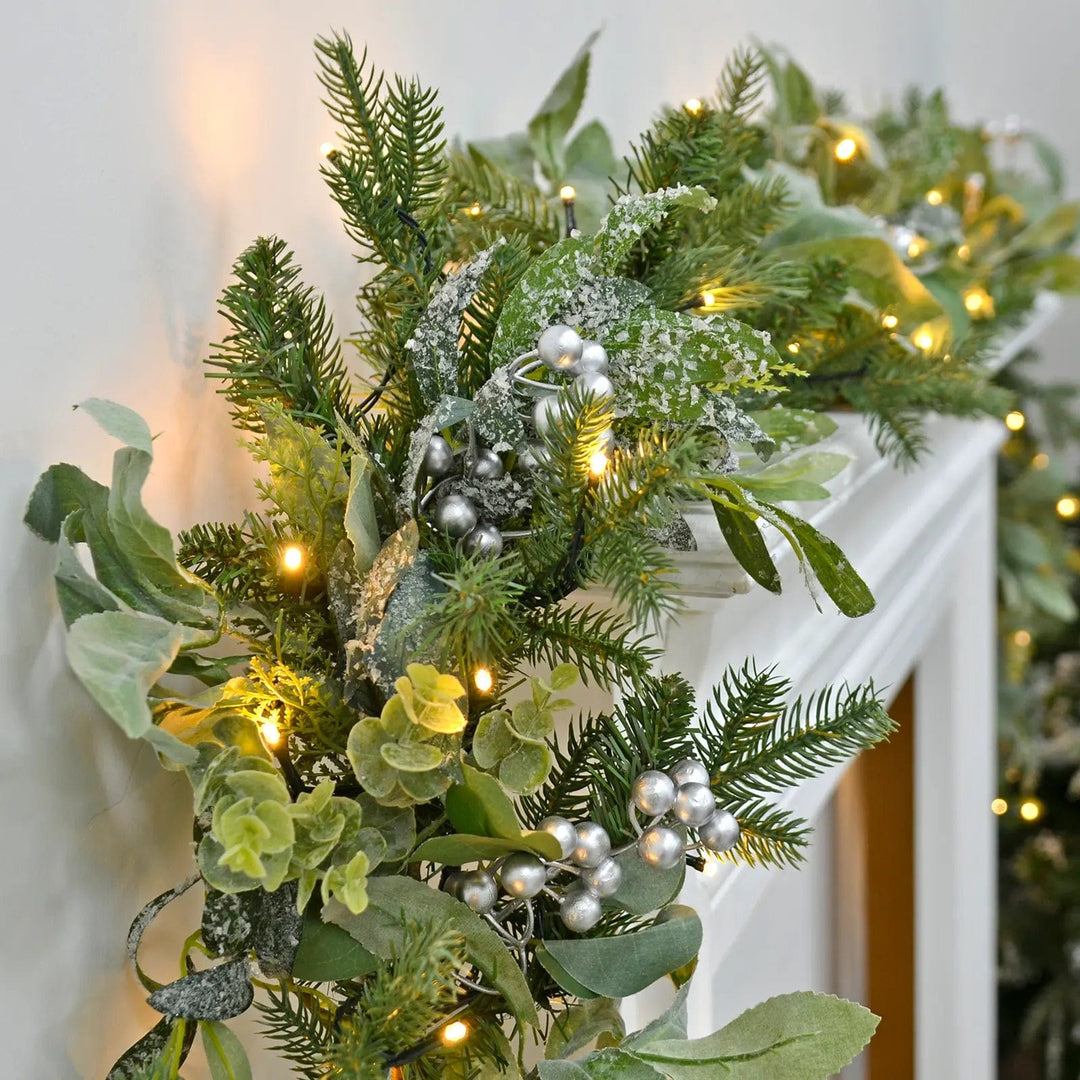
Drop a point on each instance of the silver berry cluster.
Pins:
(456, 515)
(562, 350)
(679, 797)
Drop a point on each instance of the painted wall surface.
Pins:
(146, 143)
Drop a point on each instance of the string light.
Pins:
(1040, 461)
(483, 680)
(978, 301)
(1015, 421)
(1030, 810)
(916, 247)
(999, 807)
(793, 348)
(1068, 507)
(475, 210)
(693, 106)
(1022, 638)
(934, 197)
(924, 339)
(708, 299)
(845, 149)
(568, 195)
(270, 732)
(598, 463)
(328, 150)
(454, 1032)
(890, 322)
(964, 251)
(292, 558)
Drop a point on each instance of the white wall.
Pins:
(146, 142)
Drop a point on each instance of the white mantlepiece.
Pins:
(924, 542)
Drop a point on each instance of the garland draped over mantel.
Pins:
(413, 863)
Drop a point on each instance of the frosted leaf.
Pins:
(676, 535)
(448, 412)
(500, 499)
(633, 215)
(434, 343)
(665, 364)
(601, 304)
(722, 415)
(496, 417)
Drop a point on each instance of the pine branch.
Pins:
(597, 642)
(298, 1029)
(281, 348)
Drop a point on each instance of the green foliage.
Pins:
(281, 348)
(299, 1027)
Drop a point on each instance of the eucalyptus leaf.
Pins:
(460, 848)
(581, 1024)
(743, 536)
(622, 965)
(395, 900)
(644, 889)
(328, 953)
(480, 805)
(225, 1053)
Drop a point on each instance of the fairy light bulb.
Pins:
(793, 348)
(270, 732)
(1030, 810)
(1015, 420)
(567, 193)
(890, 321)
(924, 340)
(845, 149)
(934, 197)
(916, 247)
(708, 299)
(292, 558)
(964, 251)
(455, 1032)
(693, 106)
(483, 680)
(1022, 638)
(977, 301)
(598, 463)
(1068, 507)
(999, 807)
(328, 150)
(1040, 461)
(475, 210)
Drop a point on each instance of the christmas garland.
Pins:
(404, 866)
(405, 853)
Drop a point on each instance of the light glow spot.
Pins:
(708, 299)
(1030, 810)
(292, 558)
(924, 340)
(845, 149)
(1068, 507)
(475, 210)
(270, 732)
(328, 149)
(455, 1032)
(934, 197)
(890, 322)
(567, 193)
(483, 680)
(693, 106)
(964, 251)
(999, 807)
(598, 463)
(1022, 638)
(1015, 421)
(1040, 461)
(793, 348)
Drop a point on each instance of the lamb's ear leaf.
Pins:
(60, 490)
(118, 656)
(121, 423)
(801, 1036)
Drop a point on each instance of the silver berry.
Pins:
(455, 515)
(477, 890)
(593, 844)
(485, 464)
(452, 884)
(600, 386)
(653, 793)
(720, 832)
(533, 456)
(522, 875)
(438, 458)
(694, 804)
(559, 347)
(547, 413)
(579, 910)
(689, 771)
(593, 357)
(603, 880)
(483, 542)
(661, 847)
(563, 831)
